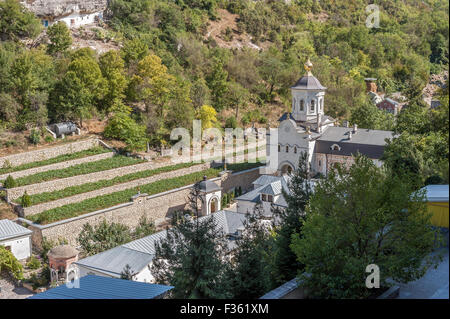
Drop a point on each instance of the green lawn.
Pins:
(62, 158)
(80, 169)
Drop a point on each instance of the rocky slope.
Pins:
(58, 8)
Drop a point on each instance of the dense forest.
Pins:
(168, 71)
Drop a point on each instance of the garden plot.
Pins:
(59, 162)
(46, 201)
(76, 175)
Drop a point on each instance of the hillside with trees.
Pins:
(168, 68)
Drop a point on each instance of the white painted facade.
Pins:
(75, 20)
(19, 246)
(213, 201)
(144, 275)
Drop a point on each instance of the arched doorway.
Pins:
(213, 205)
(286, 169)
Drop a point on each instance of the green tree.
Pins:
(368, 116)
(217, 82)
(192, 256)
(60, 38)
(113, 70)
(285, 263)
(127, 273)
(9, 263)
(122, 127)
(103, 236)
(79, 91)
(25, 200)
(16, 21)
(249, 277)
(358, 217)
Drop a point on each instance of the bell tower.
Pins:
(307, 96)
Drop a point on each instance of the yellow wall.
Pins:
(440, 213)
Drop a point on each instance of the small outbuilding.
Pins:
(60, 258)
(15, 238)
(437, 197)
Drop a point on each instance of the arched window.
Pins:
(313, 105)
(295, 149)
(302, 105)
(279, 148)
(287, 149)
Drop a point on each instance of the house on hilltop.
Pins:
(74, 13)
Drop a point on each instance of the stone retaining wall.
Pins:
(28, 211)
(60, 165)
(47, 153)
(156, 208)
(58, 184)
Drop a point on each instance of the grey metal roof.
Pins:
(209, 186)
(265, 179)
(392, 101)
(362, 136)
(113, 261)
(282, 291)
(308, 82)
(147, 244)
(98, 287)
(10, 229)
(273, 188)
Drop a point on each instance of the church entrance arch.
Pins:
(213, 205)
(286, 169)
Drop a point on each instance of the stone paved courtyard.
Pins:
(9, 291)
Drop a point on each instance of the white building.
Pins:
(308, 129)
(75, 13)
(15, 238)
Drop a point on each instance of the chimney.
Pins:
(350, 135)
(345, 123)
(355, 128)
(205, 178)
(371, 85)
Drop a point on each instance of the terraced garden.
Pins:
(58, 159)
(109, 200)
(84, 188)
(81, 169)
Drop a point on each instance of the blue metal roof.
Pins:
(97, 287)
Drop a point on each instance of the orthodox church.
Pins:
(307, 129)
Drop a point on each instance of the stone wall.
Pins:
(47, 153)
(53, 185)
(156, 207)
(28, 211)
(60, 165)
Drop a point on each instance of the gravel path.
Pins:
(9, 291)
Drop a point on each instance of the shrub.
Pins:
(10, 182)
(35, 136)
(231, 122)
(26, 200)
(48, 138)
(10, 264)
(33, 263)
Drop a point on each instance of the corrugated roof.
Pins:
(147, 244)
(273, 188)
(10, 229)
(113, 261)
(437, 193)
(97, 287)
